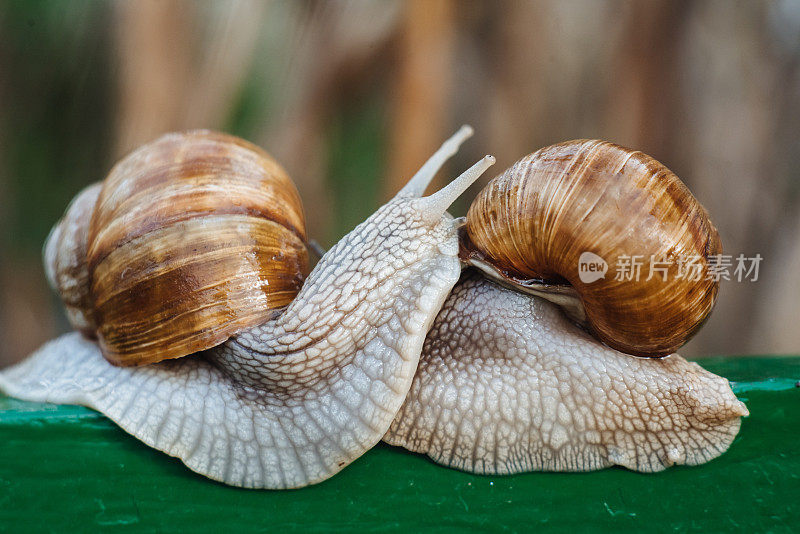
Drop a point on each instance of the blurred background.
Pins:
(351, 97)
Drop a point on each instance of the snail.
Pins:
(283, 403)
(506, 383)
(202, 332)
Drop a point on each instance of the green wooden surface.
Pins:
(66, 468)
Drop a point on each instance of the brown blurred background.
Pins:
(351, 97)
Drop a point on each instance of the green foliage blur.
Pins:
(56, 114)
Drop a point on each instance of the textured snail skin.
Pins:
(507, 384)
(305, 394)
(290, 402)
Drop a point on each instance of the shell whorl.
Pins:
(193, 237)
(535, 220)
(65, 260)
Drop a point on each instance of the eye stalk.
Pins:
(419, 182)
(435, 205)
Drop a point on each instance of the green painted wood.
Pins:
(66, 468)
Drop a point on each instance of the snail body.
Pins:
(532, 225)
(508, 384)
(257, 373)
(287, 402)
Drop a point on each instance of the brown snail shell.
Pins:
(193, 238)
(65, 260)
(531, 224)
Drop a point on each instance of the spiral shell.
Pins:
(65, 260)
(622, 207)
(193, 238)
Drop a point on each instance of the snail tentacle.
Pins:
(419, 182)
(435, 205)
